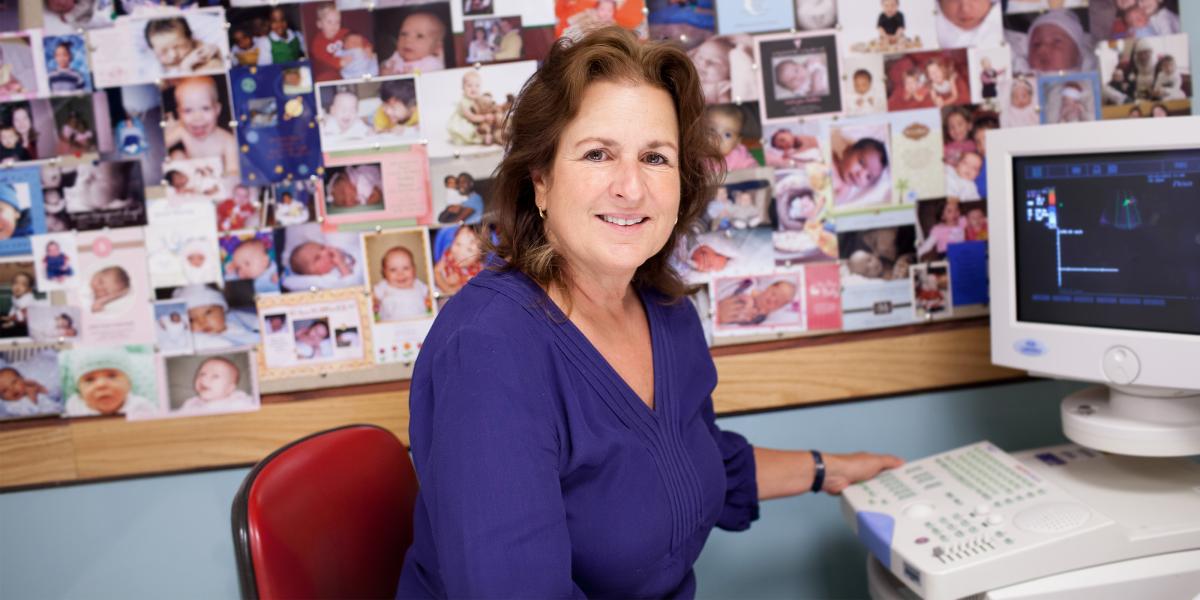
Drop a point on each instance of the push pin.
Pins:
(312, 288)
(378, 228)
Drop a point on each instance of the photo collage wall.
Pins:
(196, 197)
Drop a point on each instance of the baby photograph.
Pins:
(181, 243)
(323, 332)
(313, 259)
(209, 384)
(862, 176)
(730, 252)
(114, 290)
(398, 273)
(18, 75)
(1071, 98)
(816, 14)
(27, 131)
(473, 8)
(250, 256)
(21, 209)
(242, 207)
(414, 39)
(66, 61)
(800, 75)
(369, 114)
(793, 145)
(577, 17)
(197, 120)
(488, 40)
(457, 198)
(738, 134)
(1142, 76)
(68, 16)
(352, 189)
(265, 35)
(740, 16)
(888, 26)
(340, 43)
(53, 324)
(1122, 19)
(110, 380)
(742, 201)
(1018, 102)
(864, 91)
(725, 64)
(172, 328)
(144, 50)
(198, 179)
(17, 294)
(29, 383)
(75, 123)
(102, 194)
(464, 110)
(990, 71)
(688, 23)
(135, 116)
(457, 253)
(291, 203)
(1052, 41)
(927, 79)
(931, 290)
(218, 317)
(804, 232)
(56, 258)
(759, 303)
(964, 133)
(974, 23)
(875, 262)
(948, 221)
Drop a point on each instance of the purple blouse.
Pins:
(543, 475)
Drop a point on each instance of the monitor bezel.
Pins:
(1169, 360)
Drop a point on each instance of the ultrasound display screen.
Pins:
(1109, 240)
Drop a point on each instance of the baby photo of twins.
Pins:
(316, 259)
(927, 79)
(364, 115)
(399, 271)
(211, 384)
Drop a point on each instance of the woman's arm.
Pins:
(782, 473)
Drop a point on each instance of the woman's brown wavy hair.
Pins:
(540, 113)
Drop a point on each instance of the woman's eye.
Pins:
(594, 155)
(655, 158)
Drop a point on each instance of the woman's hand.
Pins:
(842, 470)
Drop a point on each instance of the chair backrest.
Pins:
(327, 516)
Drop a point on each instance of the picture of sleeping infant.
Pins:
(314, 259)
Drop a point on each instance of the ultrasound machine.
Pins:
(1094, 264)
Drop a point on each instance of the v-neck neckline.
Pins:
(602, 363)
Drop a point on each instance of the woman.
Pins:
(23, 122)
(562, 425)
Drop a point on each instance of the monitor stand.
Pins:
(1135, 421)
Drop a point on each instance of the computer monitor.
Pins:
(1094, 250)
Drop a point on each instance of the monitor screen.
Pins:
(1109, 240)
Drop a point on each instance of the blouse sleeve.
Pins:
(491, 478)
(741, 485)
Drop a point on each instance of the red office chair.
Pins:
(326, 516)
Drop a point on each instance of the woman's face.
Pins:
(612, 194)
(1052, 49)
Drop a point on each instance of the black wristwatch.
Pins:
(818, 472)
